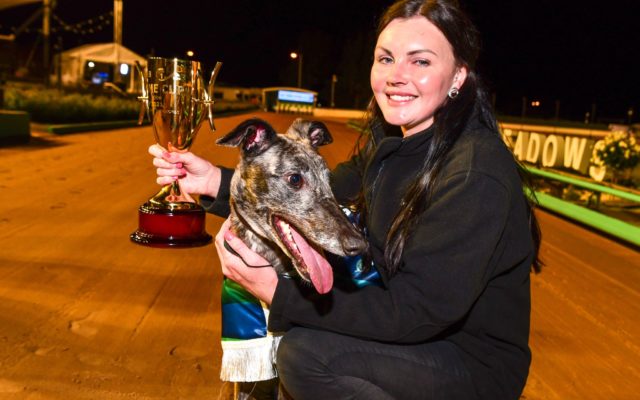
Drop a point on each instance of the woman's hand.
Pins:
(260, 282)
(195, 175)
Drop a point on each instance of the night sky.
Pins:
(582, 54)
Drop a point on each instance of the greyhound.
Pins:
(282, 206)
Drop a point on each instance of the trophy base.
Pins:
(158, 227)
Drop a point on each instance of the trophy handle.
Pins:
(208, 94)
(144, 97)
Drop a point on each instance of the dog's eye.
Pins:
(295, 180)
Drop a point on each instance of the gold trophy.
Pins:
(174, 98)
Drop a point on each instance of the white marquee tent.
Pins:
(74, 64)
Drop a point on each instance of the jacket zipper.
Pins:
(374, 185)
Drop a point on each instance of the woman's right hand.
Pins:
(195, 175)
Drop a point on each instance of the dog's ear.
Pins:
(317, 132)
(255, 136)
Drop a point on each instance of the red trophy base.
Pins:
(159, 227)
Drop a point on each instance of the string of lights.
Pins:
(87, 27)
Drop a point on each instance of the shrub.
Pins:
(619, 150)
(57, 107)
(53, 106)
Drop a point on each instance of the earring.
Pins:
(453, 92)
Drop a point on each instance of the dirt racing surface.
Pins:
(87, 314)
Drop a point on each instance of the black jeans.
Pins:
(321, 365)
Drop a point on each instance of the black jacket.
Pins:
(464, 275)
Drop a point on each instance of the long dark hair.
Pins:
(450, 119)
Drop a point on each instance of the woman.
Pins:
(448, 225)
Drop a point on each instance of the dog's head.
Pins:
(281, 191)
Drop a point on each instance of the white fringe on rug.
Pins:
(249, 360)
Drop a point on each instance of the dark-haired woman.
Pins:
(450, 231)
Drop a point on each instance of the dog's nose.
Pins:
(354, 245)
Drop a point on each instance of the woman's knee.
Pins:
(302, 362)
(298, 350)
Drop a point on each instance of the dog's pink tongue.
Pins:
(319, 269)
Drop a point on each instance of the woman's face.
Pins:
(413, 69)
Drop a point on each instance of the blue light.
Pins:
(297, 97)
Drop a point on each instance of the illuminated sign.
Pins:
(295, 97)
(555, 151)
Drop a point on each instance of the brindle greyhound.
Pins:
(281, 202)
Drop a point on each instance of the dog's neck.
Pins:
(259, 244)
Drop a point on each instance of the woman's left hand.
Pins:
(260, 282)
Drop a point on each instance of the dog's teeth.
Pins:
(286, 230)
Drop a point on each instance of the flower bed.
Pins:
(54, 106)
(619, 151)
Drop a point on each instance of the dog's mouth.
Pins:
(309, 262)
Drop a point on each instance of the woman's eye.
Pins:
(385, 60)
(295, 180)
(422, 63)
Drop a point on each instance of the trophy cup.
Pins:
(174, 98)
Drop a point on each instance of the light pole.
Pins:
(334, 79)
(295, 55)
(46, 32)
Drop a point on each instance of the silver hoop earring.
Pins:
(453, 92)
